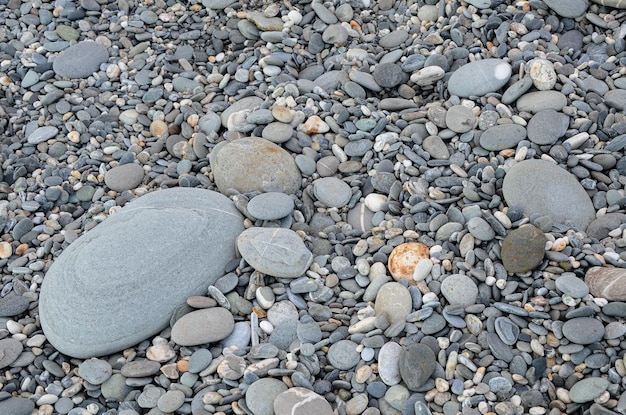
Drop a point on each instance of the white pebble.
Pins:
(422, 269)
(266, 326)
(14, 327)
(375, 202)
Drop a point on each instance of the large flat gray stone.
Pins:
(542, 187)
(119, 283)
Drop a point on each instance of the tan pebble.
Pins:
(283, 114)
(404, 258)
(332, 280)
(199, 301)
(363, 374)
(21, 248)
(73, 136)
(6, 250)
(160, 353)
(211, 398)
(182, 365)
(158, 128)
(563, 395)
(442, 385)
(315, 125)
(170, 371)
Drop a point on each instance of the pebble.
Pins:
(124, 177)
(606, 283)
(95, 371)
(459, 290)
(13, 305)
(80, 60)
(570, 284)
(10, 350)
(203, 326)
(583, 330)
(17, 406)
(479, 78)
(393, 301)
(500, 137)
(547, 126)
(523, 249)
(586, 390)
(525, 186)
(277, 252)
(344, 355)
(262, 394)
(270, 206)
(254, 164)
(332, 192)
(388, 363)
(417, 363)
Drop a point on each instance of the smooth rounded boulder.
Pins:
(119, 283)
(542, 187)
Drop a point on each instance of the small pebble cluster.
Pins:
(365, 207)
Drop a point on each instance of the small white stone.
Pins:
(375, 202)
(266, 326)
(422, 269)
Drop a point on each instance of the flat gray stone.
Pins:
(542, 187)
(534, 102)
(394, 301)
(343, 355)
(105, 292)
(547, 126)
(523, 249)
(500, 137)
(600, 228)
(247, 103)
(301, 401)
(616, 98)
(124, 177)
(208, 325)
(583, 330)
(42, 134)
(17, 406)
(568, 283)
(460, 118)
(140, 368)
(10, 350)
(254, 164)
(572, 8)
(95, 371)
(80, 60)
(275, 251)
(261, 395)
(389, 363)
(479, 78)
(270, 206)
(588, 389)
(13, 305)
(332, 192)
(417, 363)
(459, 290)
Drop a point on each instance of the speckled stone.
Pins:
(523, 249)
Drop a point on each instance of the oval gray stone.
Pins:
(254, 164)
(261, 395)
(568, 283)
(343, 355)
(42, 134)
(106, 292)
(542, 187)
(479, 78)
(534, 102)
(95, 371)
(459, 290)
(125, 177)
(572, 9)
(203, 326)
(588, 389)
(275, 251)
(270, 206)
(332, 192)
(17, 406)
(500, 137)
(547, 126)
(583, 330)
(417, 363)
(80, 60)
(393, 300)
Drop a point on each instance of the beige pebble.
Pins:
(315, 125)
(6, 250)
(170, 371)
(160, 352)
(158, 128)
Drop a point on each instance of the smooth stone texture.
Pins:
(277, 252)
(525, 185)
(261, 395)
(417, 363)
(42, 134)
(547, 126)
(534, 102)
(506, 330)
(343, 355)
(600, 228)
(523, 249)
(124, 177)
(247, 103)
(479, 78)
(203, 326)
(96, 304)
(17, 406)
(270, 206)
(388, 363)
(332, 192)
(80, 60)
(460, 119)
(583, 330)
(588, 389)
(394, 301)
(572, 8)
(616, 98)
(459, 290)
(301, 401)
(13, 305)
(500, 137)
(570, 284)
(608, 283)
(10, 350)
(95, 371)
(254, 164)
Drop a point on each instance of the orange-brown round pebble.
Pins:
(404, 258)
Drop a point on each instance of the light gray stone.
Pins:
(270, 206)
(459, 290)
(124, 177)
(261, 395)
(542, 187)
(120, 282)
(479, 78)
(301, 401)
(80, 60)
(275, 251)
(203, 326)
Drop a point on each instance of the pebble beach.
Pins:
(364, 207)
